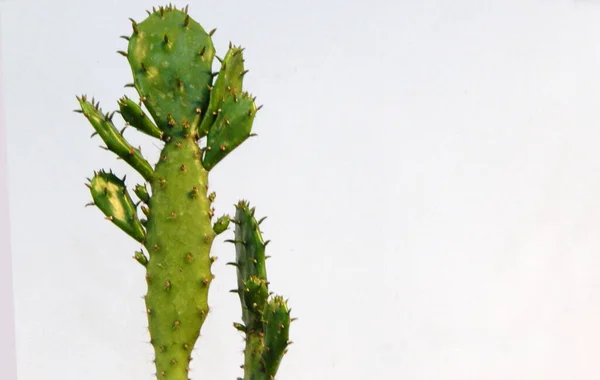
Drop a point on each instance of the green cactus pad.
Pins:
(221, 224)
(229, 82)
(114, 141)
(111, 197)
(171, 57)
(142, 193)
(141, 258)
(232, 127)
(133, 114)
(277, 321)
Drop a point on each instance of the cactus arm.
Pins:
(229, 81)
(141, 258)
(265, 322)
(221, 224)
(114, 141)
(250, 256)
(133, 114)
(277, 321)
(142, 193)
(171, 57)
(233, 125)
(111, 197)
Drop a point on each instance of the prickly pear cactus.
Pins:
(200, 116)
(171, 58)
(266, 319)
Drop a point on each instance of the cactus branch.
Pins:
(230, 129)
(229, 82)
(135, 116)
(265, 321)
(111, 197)
(114, 141)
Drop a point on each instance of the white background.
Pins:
(430, 171)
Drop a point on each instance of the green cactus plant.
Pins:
(265, 321)
(171, 58)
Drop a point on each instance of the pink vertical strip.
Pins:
(8, 357)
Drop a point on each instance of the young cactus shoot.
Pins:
(200, 117)
(266, 319)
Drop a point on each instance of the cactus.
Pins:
(265, 322)
(171, 58)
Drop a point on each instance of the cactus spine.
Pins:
(171, 58)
